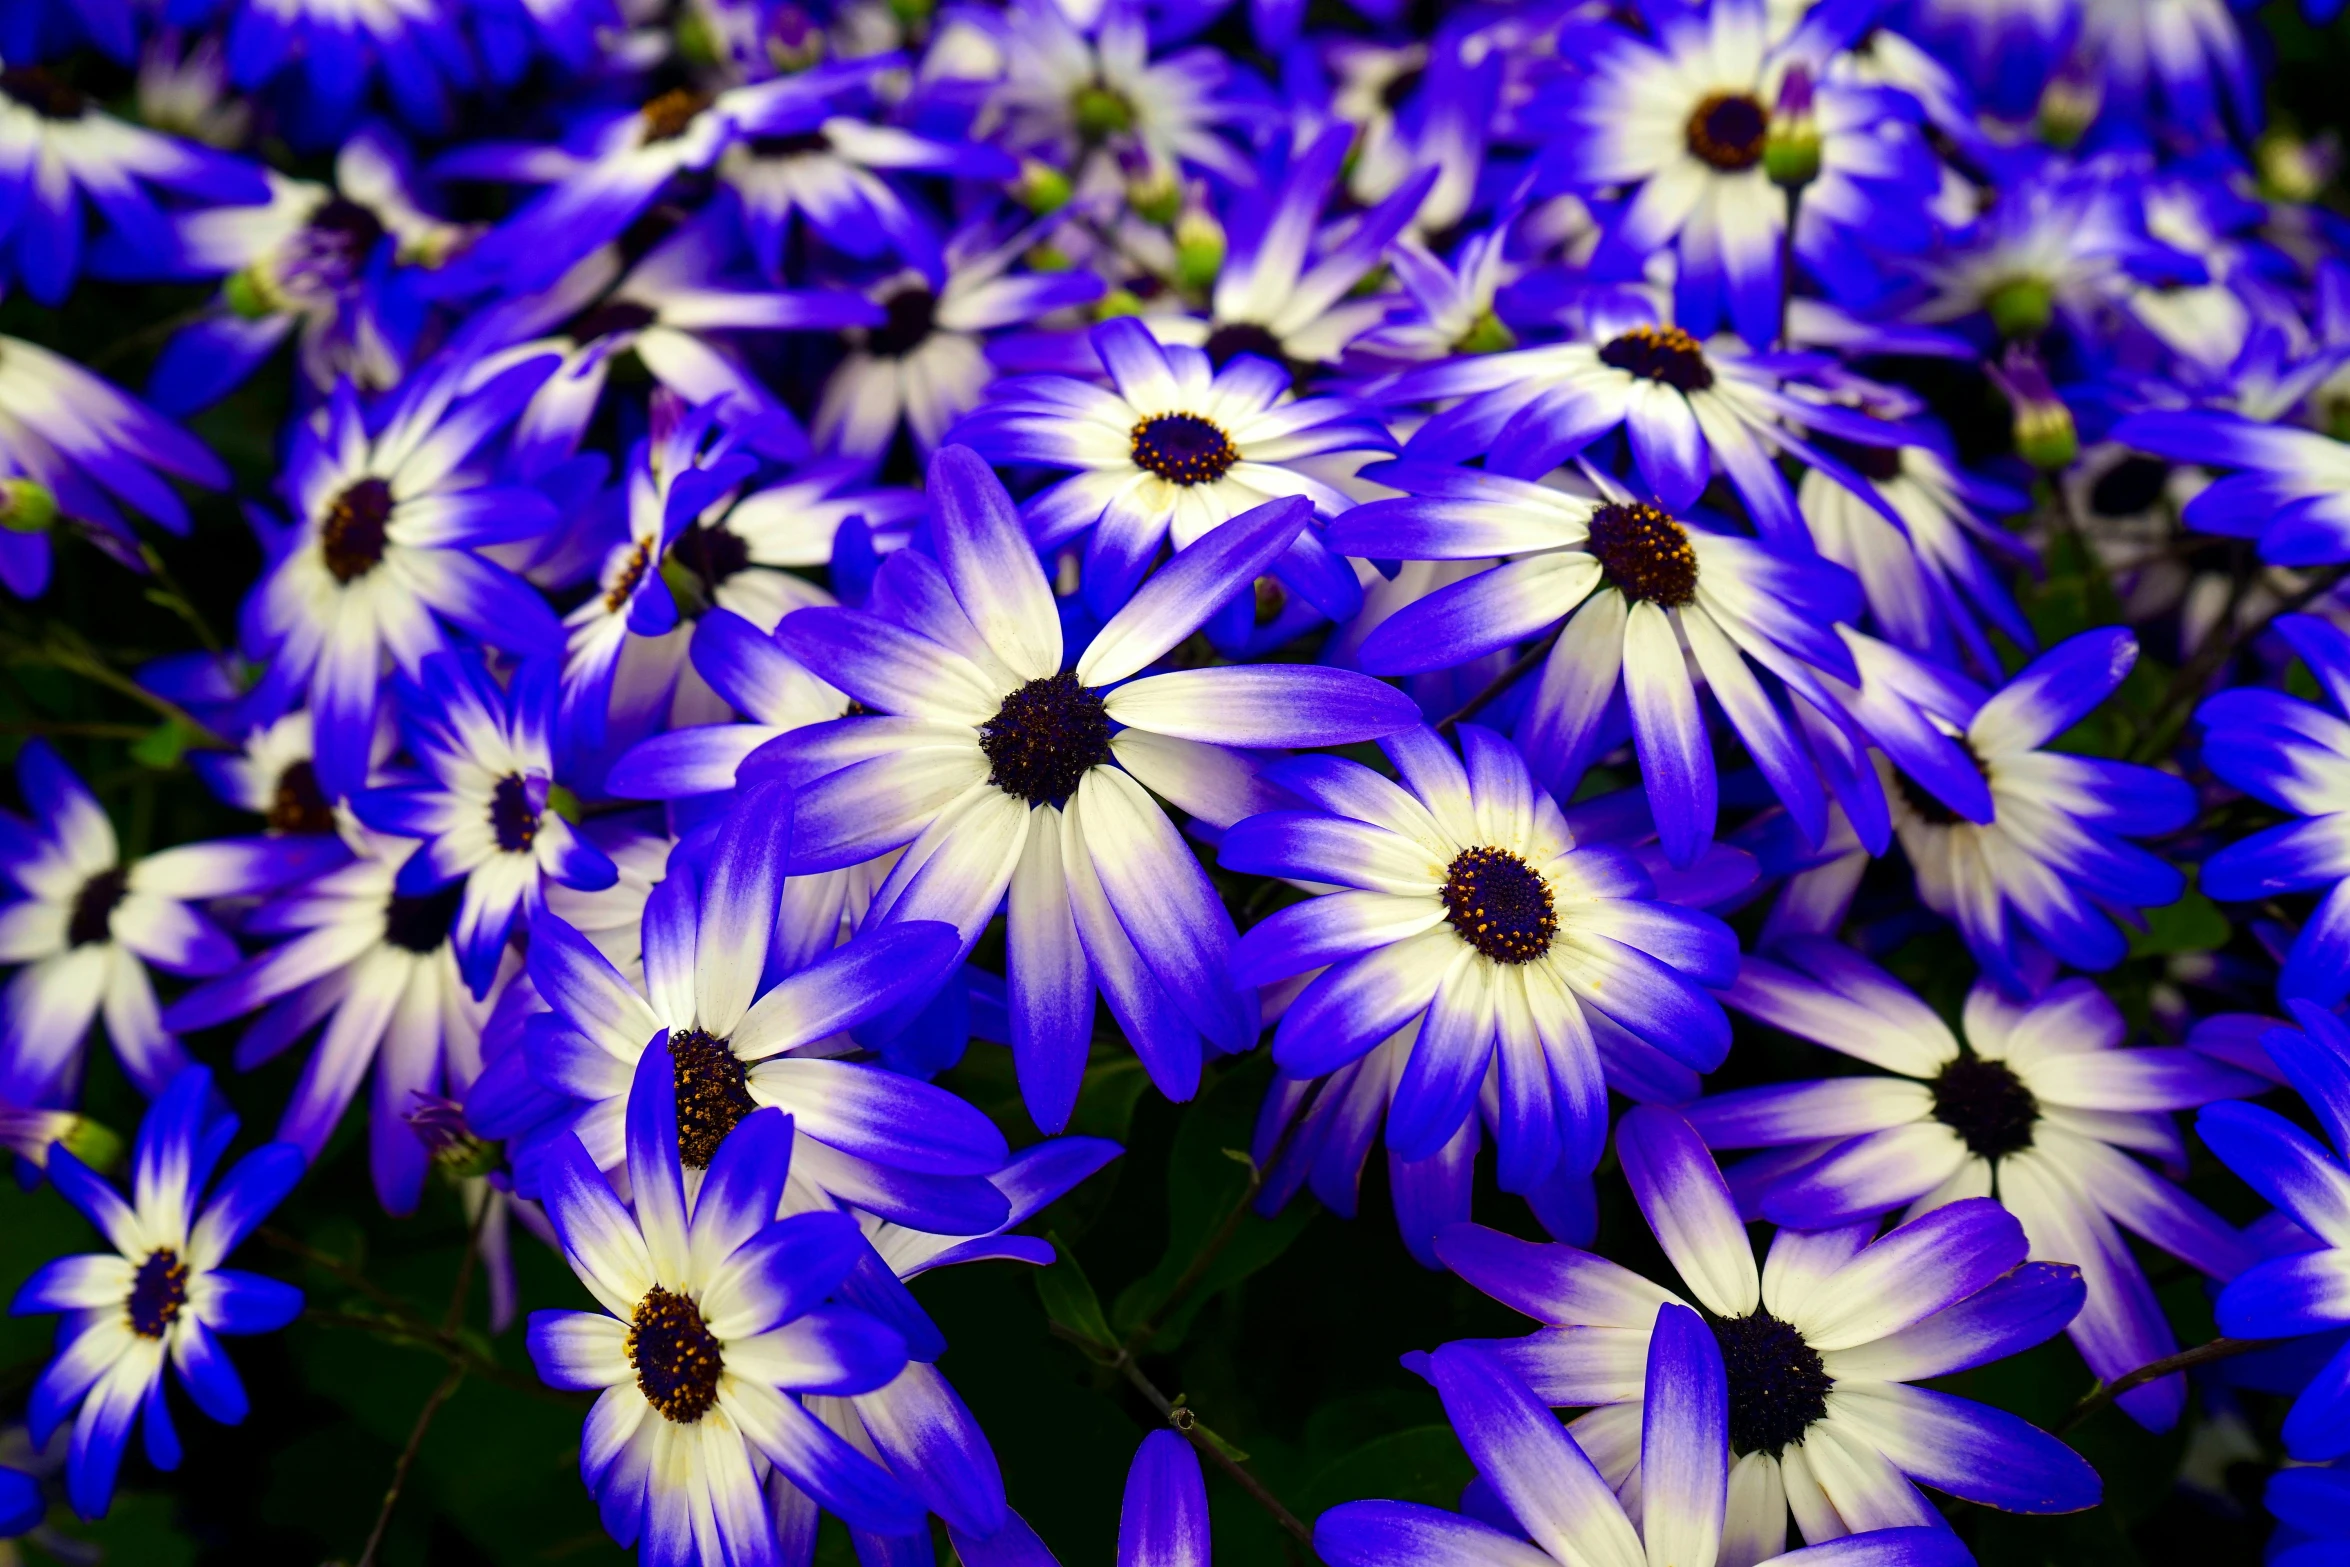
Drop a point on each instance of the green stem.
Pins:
(383, 1516)
(2105, 1393)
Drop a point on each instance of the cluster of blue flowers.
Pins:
(809, 536)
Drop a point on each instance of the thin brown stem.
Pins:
(454, 1317)
(383, 1516)
(2105, 1393)
(1500, 683)
(61, 650)
(449, 1347)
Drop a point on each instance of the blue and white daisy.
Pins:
(2288, 493)
(2058, 248)
(273, 774)
(1472, 912)
(62, 156)
(86, 446)
(1689, 409)
(1007, 774)
(1541, 1499)
(164, 1297)
(865, 1136)
(338, 267)
(927, 364)
(390, 509)
(375, 973)
(486, 810)
(1630, 582)
(2295, 756)
(1417, 106)
(184, 90)
(2171, 66)
(1680, 119)
(2040, 1107)
(676, 311)
(2303, 1291)
(1170, 451)
(2051, 864)
(1821, 1345)
(714, 1328)
(85, 926)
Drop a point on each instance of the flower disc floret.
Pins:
(676, 1356)
(1778, 1383)
(1046, 737)
(1728, 131)
(42, 92)
(298, 804)
(1183, 448)
(1500, 905)
(94, 905)
(513, 816)
(421, 924)
(1660, 353)
(1987, 1105)
(158, 1292)
(667, 116)
(912, 314)
(1646, 554)
(712, 1098)
(353, 536)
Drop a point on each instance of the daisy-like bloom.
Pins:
(74, 445)
(486, 810)
(336, 267)
(713, 1329)
(1173, 449)
(389, 511)
(927, 364)
(2040, 1107)
(675, 311)
(2288, 493)
(1284, 290)
(64, 156)
(86, 926)
(184, 90)
(1546, 1494)
(1820, 1344)
(1473, 913)
(164, 1296)
(1082, 93)
(374, 971)
(621, 657)
(1688, 408)
(1682, 118)
(1651, 604)
(616, 162)
(2295, 756)
(272, 775)
(835, 174)
(1415, 107)
(2051, 863)
(884, 1142)
(1447, 307)
(2303, 1291)
(1007, 773)
(1929, 579)
(2058, 247)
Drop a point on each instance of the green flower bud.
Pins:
(1486, 335)
(26, 506)
(1791, 146)
(249, 295)
(1040, 187)
(1156, 197)
(1100, 112)
(1199, 250)
(96, 1145)
(1117, 302)
(2021, 307)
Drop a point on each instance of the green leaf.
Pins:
(1207, 1185)
(1070, 1301)
(1419, 1464)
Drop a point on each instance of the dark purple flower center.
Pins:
(158, 1290)
(712, 554)
(1646, 554)
(1400, 88)
(1046, 736)
(610, 319)
(676, 1356)
(666, 117)
(1183, 449)
(1987, 1105)
(299, 804)
(1500, 905)
(1778, 1384)
(712, 1097)
(1660, 353)
(513, 815)
(93, 907)
(333, 247)
(1228, 342)
(2129, 487)
(355, 531)
(1727, 130)
(790, 146)
(421, 924)
(911, 312)
(43, 93)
